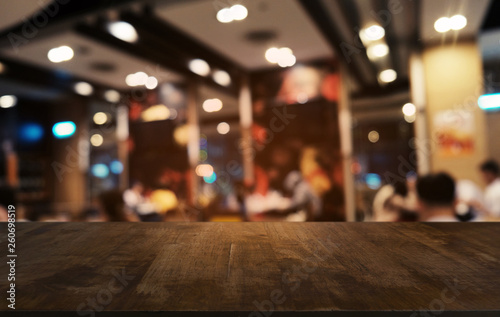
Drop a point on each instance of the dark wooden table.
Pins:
(255, 269)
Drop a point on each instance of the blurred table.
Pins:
(256, 269)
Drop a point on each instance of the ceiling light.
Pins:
(409, 109)
(137, 79)
(287, 61)
(100, 118)
(372, 33)
(151, 82)
(60, 54)
(283, 57)
(8, 101)
(83, 88)
(388, 76)
(96, 140)
(200, 67)
(272, 55)
(442, 25)
(373, 136)
(225, 16)
(238, 12)
(222, 78)
(377, 51)
(112, 96)
(124, 31)
(212, 105)
(223, 128)
(458, 22)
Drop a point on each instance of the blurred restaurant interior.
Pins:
(249, 110)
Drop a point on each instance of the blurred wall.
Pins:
(454, 81)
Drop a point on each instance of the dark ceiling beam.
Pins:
(340, 43)
(54, 82)
(410, 15)
(147, 48)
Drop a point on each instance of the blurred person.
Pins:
(114, 207)
(395, 202)
(436, 198)
(303, 199)
(491, 175)
(134, 199)
(469, 199)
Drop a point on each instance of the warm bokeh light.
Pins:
(123, 31)
(137, 79)
(60, 54)
(100, 118)
(223, 128)
(237, 12)
(373, 136)
(151, 82)
(442, 25)
(199, 67)
(96, 140)
(372, 33)
(388, 76)
(222, 78)
(458, 22)
(212, 105)
(2, 67)
(204, 170)
(377, 51)
(8, 101)
(83, 88)
(283, 56)
(156, 113)
(409, 109)
(112, 96)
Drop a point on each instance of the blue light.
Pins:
(489, 102)
(210, 179)
(62, 130)
(100, 170)
(373, 181)
(30, 132)
(116, 167)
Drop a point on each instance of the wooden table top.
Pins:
(257, 268)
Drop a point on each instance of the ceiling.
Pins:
(174, 31)
(93, 61)
(14, 11)
(294, 30)
(475, 11)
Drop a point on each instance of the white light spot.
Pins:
(8, 101)
(83, 88)
(223, 128)
(123, 31)
(60, 54)
(200, 67)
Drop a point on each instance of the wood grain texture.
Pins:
(256, 266)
